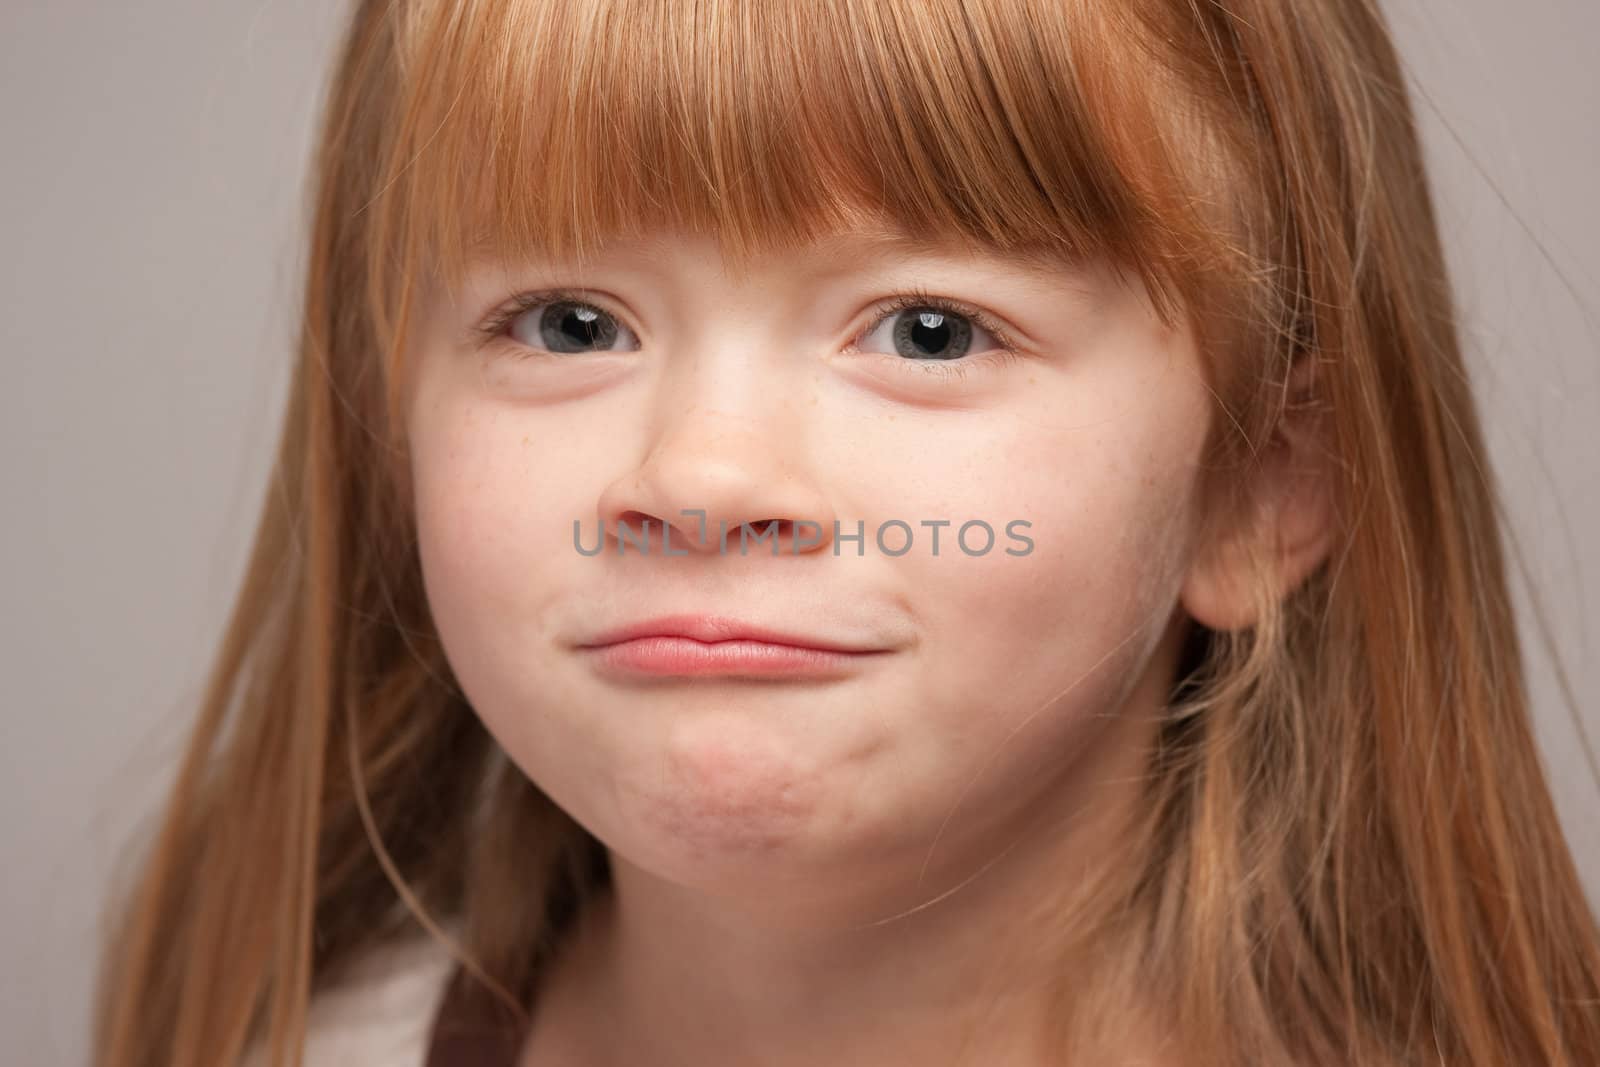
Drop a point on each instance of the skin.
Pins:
(764, 835)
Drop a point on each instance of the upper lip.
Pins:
(713, 628)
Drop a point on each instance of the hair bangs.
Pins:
(540, 129)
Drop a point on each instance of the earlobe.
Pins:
(1287, 532)
(1216, 593)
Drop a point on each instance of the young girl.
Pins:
(903, 532)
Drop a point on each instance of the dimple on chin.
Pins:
(723, 793)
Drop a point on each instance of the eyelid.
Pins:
(494, 325)
(919, 297)
(1007, 352)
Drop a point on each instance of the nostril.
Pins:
(642, 530)
(636, 522)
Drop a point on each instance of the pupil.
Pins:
(932, 335)
(569, 327)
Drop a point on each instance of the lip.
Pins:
(711, 629)
(703, 645)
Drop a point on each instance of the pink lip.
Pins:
(701, 645)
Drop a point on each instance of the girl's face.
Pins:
(794, 392)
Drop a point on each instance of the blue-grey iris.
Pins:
(566, 326)
(932, 334)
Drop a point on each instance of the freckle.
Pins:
(524, 440)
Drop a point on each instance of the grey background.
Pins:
(151, 161)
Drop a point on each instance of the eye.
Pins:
(557, 322)
(936, 335)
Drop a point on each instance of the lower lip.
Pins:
(686, 657)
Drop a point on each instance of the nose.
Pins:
(719, 483)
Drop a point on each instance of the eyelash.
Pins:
(946, 369)
(501, 319)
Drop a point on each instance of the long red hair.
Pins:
(1351, 854)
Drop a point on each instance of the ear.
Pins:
(1287, 525)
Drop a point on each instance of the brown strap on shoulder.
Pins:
(472, 1028)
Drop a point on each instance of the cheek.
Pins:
(1061, 633)
(497, 492)
(473, 528)
(486, 491)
